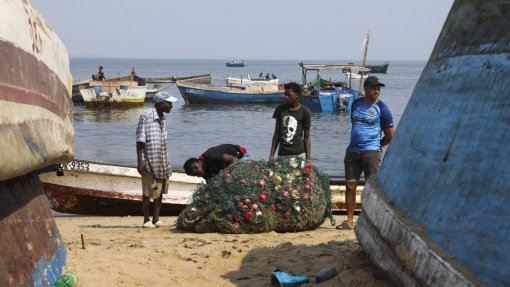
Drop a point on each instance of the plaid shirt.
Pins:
(151, 131)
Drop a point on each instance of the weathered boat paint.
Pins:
(437, 212)
(36, 131)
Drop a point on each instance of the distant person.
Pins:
(153, 162)
(261, 75)
(292, 130)
(273, 76)
(100, 74)
(215, 159)
(267, 76)
(369, 117)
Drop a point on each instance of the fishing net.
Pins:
(285, 195)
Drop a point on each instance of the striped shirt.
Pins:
(151, 131)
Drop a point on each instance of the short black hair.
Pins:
(189, 163)
(295, 87)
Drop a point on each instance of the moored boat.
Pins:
(248, 81)
(36, 131)
(235, 63)
(95, 188)
(124, 92)
(381, 69)
(436, 213)
(194, 93)
(325, 96)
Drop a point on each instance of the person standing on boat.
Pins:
(100, 74)
(293, 121)
(215, 159)
(153, 162)
(369, 117)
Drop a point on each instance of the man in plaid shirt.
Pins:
(153, 163)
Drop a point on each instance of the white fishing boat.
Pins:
(95, 188)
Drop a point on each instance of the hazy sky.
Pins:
(262, 29)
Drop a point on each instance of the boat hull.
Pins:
(328, 102)
(36, 131)
(208, 94)
(436, 214)
(105, 189)
(33, 253)
(92, 188)
(116, 95)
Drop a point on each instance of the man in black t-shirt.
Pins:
(292, 130)
(215, 159)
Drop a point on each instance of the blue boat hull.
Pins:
(437, 213)
(328, 101)
(203, 95)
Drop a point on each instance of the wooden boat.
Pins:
(123, 92)
(194, 93)
(96, 188)
(110, 189)
(381, 69)
(248, 81)
(325, 96)
(36, 130)
(436, 213)
(235, 63)
(151, 92)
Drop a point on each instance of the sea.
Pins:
(109, 135)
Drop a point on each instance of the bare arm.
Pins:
(388, 134)
(229, 159)
(307, 144)
(139, 147)
(276, 139)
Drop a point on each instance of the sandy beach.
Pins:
(118, 252)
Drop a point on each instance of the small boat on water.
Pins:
(235, 63)
(96, 188)
(437, 212)
(381, 69)
(195, 93)
(326, 96)
(123, 92)
(248, 81)
(36, 130)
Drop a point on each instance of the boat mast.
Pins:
(365, 45)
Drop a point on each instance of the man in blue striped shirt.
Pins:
(153, 163)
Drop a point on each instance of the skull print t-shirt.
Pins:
(292, 128)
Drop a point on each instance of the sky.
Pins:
(259, 30)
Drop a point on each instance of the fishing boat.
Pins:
(123, 92)
(36, 130)
(436, 213)
(248, 81)
(151, 92)
(327, 96)
(95, 188)
(235, 63)
(381, 69)
(195, 93)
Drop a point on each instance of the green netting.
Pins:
(285, 195)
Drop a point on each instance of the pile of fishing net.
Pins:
(286, 194)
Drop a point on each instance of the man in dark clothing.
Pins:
(215, 159)
(292, 130)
